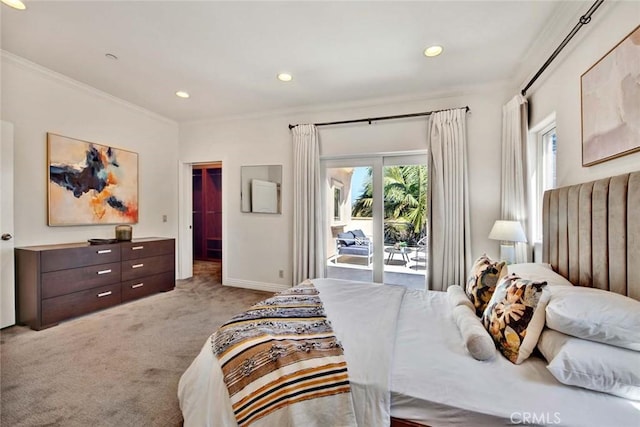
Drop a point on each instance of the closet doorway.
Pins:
(207, 217)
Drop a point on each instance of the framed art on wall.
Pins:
(90, 183)
(610, 95)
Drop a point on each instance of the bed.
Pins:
(407, 363)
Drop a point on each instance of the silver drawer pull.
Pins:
(139, 285)
(137, 248)
(104, 271)
(137, 265)
(104, 294)
(104, 251)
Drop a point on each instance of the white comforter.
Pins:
(364, 318)
(404, 345)
(436, 382)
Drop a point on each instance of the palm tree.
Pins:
(405, 203)
(364, 202)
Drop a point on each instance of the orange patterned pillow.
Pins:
(482, 281)
(515, 316)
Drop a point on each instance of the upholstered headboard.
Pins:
(591, 233)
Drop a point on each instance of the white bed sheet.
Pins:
(436, 382)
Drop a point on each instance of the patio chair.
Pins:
(354, 243)
(421, 253)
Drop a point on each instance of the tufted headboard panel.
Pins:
(591, 233)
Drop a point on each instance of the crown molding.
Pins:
(75, 84)
(289, 113)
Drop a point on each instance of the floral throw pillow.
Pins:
(482, 281)
(515, 316)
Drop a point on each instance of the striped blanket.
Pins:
(281, 352)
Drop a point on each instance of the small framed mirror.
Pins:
(260, 192)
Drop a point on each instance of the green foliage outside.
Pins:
(405, 203)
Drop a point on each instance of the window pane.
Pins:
(350, 234)
(549, 159)
(545, 173)
(405, 220)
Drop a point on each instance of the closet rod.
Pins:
(584, 20)
(375, 119)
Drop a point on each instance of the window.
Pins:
(383, 202)
(337, 197)
(544, 140)
(337, 202)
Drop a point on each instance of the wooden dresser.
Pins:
(57, 282)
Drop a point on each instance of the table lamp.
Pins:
(508, 232)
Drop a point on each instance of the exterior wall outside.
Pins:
(343, 177)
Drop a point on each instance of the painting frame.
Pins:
(608, 112)
(90, 183)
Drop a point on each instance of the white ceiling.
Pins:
(227, 54)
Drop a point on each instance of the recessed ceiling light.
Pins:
(285, 77)
(182, 94)
(111, 56)
(16, 4)
(433, 50)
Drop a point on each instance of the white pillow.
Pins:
(476, 338)
(588, 364)
(457, 296)
(595, 315)
(539, 272)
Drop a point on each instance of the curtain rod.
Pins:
(375, 119)
(584, 20)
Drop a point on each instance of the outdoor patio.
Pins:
(406, 269)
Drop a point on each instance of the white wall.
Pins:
(37, 101)
(257, 246)
(559, 90)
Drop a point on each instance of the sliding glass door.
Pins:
(405, 220)
(350, 240)
(376, 213)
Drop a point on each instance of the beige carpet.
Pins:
(116, 367)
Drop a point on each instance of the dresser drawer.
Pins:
(63, 307)
(56, 282)
(147, 285)
(134, 269)
(61, 259)
(64, 282)
(144, 249)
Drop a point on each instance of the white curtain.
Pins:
(308, 247)
(449, 231)
(513, 189)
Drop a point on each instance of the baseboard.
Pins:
(257, 286)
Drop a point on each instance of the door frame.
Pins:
(377, 225)
(377, 161)
(7, 274)
(185, 218)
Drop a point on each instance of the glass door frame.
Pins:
(377, 162)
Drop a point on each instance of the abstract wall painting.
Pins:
(611, 103)
(90, 183)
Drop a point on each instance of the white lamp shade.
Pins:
(509, 231)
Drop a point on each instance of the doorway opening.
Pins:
(207, 219)
(376, 210)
